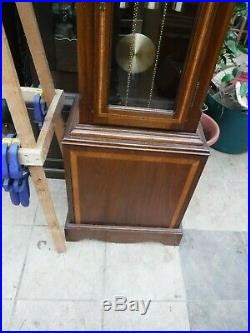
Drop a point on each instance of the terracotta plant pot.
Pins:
(233, 125)
(210, 128)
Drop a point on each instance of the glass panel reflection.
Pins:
(149, 46)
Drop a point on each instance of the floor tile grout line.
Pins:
(219, 301)
(185, 290)
(17, 225)
(103, 283)
(22, 271)
(214, 230)
(244, 241)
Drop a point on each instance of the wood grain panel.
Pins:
(131, 189)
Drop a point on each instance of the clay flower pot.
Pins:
(233, 124)
(210, 128)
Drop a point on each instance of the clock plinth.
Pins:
(129, 185)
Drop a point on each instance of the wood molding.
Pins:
(127, 138)
(115, 234)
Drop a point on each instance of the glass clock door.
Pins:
(140, 63)
(150, 42)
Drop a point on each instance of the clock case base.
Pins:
(129, 185)
(122, 234)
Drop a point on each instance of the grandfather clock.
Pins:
(133, 148)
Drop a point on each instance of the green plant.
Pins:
(232, 48)
(241, 9)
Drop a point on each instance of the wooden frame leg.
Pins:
(59, 130)
(34, 40)
(41, 185)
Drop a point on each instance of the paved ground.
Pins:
(201, 285)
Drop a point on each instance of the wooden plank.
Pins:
(22, 124)
(37, 156)
(59, 130)
(14, 98)
(42, 189)
(28, 93)
(34, 40)
(47, 132)
(30, 157)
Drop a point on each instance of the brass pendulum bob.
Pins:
(143, 53)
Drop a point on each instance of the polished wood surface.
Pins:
(130, 178)
(94, 55)
(118, 234)
(131, 189)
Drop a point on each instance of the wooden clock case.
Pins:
(130, 174)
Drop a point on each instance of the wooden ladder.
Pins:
(33, 153)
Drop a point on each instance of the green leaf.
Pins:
(224, 59)
(244, 89)
(227, 78)
(235, 71)
(231, 35)
(242, 48)
(241, 9)
(231, 45)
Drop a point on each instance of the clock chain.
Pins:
(157, 53)
(132, 49)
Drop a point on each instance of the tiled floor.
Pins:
(201, 285)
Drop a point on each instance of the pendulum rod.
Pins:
(131, 50)
(157, 53)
